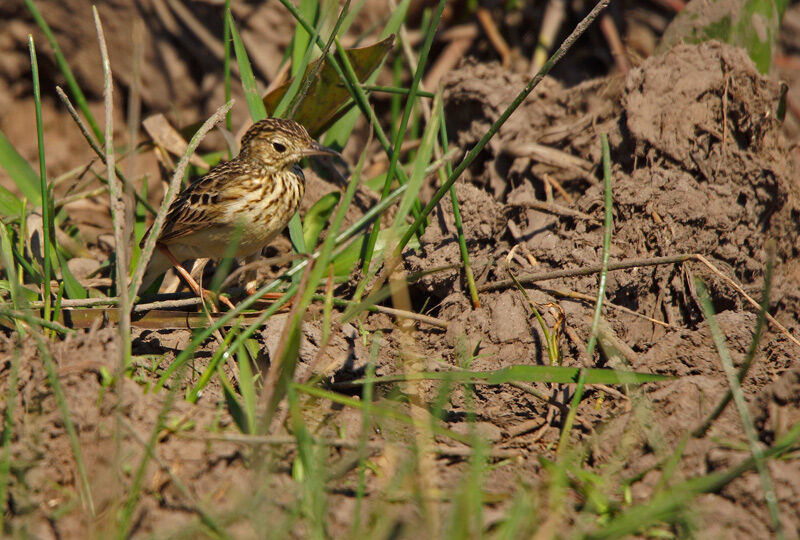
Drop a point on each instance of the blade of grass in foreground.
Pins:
(769, 248)
(462, 242)
(275, 389)
(522, 373)
(47, 217)
(254, 103)
(607, 228)
(742, 408)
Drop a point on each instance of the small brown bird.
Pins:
(257, 192)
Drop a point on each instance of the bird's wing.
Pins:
(198, 206)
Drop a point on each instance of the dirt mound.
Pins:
(700, 165)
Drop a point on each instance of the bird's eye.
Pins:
(279, 147)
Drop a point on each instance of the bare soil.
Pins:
(701, 165)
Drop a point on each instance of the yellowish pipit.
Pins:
(255, 193)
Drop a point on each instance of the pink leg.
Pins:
(198, 290)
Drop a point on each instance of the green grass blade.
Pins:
(20, 172)
(290, 99)
(522, 373)
(10, 204)
(247, 389)
(73, 288)
(742, 407)
(18, 299)
(222, 352)
(302, 40)
(254, 103)
(47, 216)
(317, 217)
(421, 161)
(563, 439)
(608, 226)
(139, 228)
(462, 242)
(769, 248)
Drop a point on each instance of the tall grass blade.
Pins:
(769, 248)
(302, 40)
(742, 408)
(252, 95)
(521, 373)
(247, 389)
(462, 242)
(47, 209)
(608, 226)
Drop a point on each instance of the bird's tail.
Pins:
(158, 265)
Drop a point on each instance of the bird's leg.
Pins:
(198, 290)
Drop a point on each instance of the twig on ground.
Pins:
(280, 440)
(495, 37)
(555, 209)
(611, 34)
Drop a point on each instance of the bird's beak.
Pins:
(317, 149)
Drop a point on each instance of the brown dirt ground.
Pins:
(701, 165)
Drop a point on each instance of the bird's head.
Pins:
(280, 143)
